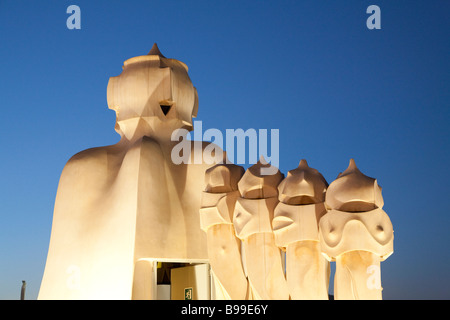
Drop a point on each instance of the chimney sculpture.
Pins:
(121, 208)
(216, 219)
(252, 220)
(296, 229)
(357, 234)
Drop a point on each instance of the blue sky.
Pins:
(312, 69)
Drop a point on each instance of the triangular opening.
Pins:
(165, 108)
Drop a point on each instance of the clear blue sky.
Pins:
(312, 69)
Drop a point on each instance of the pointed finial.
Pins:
(262, 160)
(155, 51)
(351, 168)
(303, 163)
(352, 164)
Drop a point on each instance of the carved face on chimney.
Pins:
(153, 95)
